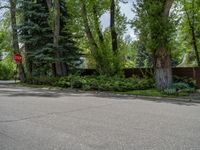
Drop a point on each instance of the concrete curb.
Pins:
(187, 100)
(110, 94)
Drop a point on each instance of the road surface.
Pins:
(36, 119)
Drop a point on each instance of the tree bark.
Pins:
(57, 37)
(192, 31)
(163, 67)
(97, 26)
(49, 4)
(88, 32)
(15, 41)
(194, 43)
(112, 27)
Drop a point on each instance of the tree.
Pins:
(100, 51)
(192, 13)
(104, 45)
(112, 26)
(66, 52)
(50, 46)
(154, 25)
(36, 36)
(15, 41)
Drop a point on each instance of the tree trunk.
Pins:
(97, 26)
(163, 70)
(30, 67)
(57, 37)
(49, 4)
(64, 68)
(88, 32)
(191, 22)
(112, 27)
(162, 66)
(194, 41)
(53, 67)
(15, 41)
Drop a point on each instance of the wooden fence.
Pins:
(190, 72)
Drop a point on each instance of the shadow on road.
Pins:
(13, 90)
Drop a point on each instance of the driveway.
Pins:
(37, 119)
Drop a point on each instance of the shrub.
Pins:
(191, 82)
(170, 91)
(104, 83)
(7, 69)
(179, 87)
(42, 80)
(100, 83)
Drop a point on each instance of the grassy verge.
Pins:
(36, 86)
(152, 92)
(149, 92)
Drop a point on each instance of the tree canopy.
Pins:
(59, 37)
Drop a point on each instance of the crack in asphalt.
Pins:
(1, 133)
(54, 113)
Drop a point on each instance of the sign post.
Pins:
(18, 61)
(18, 58)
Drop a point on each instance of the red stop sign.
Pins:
(18, 58)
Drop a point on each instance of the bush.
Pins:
(189, 81)
(100, 83)
(104, 83)
(179, 87)
(170, 91)
(42, 80)
(7, 69)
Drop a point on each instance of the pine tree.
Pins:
(37, 35)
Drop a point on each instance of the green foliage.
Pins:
(154, 30)
(104, 83)
(170, 91)
(189, 81)
(50, 81)
(184, 85)
(100, 83)
(180, 86)
(7, 69)
(36, 33)
(189, 23)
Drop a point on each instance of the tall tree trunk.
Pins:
(57, 37)
(112, 26)
(49, 4)
(191, 22)
(163, 67)
(15, 41)
(194, 43)
(53, 66)
(97, 25)
(88, 32)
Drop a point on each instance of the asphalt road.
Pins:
(34, 119)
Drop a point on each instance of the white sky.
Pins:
(105, 19)
(125, 9)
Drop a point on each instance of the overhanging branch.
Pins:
(4, 7)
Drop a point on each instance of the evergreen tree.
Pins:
(70, 53)
(37, 35)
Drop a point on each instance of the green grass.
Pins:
(152, 92)
(149, 92)
(36, 86)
